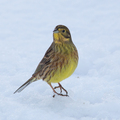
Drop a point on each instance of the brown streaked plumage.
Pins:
(58, 63)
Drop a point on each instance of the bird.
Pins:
(58, 63)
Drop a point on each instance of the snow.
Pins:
(26, 33)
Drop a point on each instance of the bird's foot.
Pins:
(60, 94)
(61, 88)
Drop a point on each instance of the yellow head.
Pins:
(61, 34)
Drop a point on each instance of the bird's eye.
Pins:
(63, 31)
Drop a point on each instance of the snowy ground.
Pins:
(25, 34)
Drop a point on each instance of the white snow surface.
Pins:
(26, 28)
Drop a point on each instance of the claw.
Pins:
(61, 88)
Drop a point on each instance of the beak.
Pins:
(55, 31)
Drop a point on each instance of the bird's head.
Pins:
(61, 34)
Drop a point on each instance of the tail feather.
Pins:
(32, 79)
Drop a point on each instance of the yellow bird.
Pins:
(58, 63)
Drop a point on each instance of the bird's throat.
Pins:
(57, 38)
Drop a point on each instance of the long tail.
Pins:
(32, 79)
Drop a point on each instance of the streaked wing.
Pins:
(45, 62)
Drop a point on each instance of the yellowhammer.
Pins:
(58, 63)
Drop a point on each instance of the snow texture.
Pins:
(26, 33)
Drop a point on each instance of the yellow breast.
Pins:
(64, 72)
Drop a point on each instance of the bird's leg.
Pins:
(60, 89)
(63, 89)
